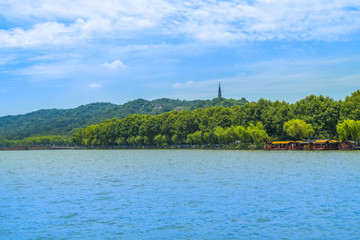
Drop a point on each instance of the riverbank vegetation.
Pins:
(298, 129)
(349, 130)
(37, 141)
(253, 123)
(256, 122)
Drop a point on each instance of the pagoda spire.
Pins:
(219, 91)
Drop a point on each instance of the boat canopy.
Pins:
(326, 141)
(281, 142)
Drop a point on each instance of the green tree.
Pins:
(139, 140)
(348, 130)
(195, 138)
(131, 140)
(319, 111)
(160, 140)
(146, 140)
(241, 134)
(298, 129)
(175, 139)
(209, 137)
(121, 141)
(350, 108)
(219, 135)
(257, 133)
(230, 135)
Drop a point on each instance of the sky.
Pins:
(66, 53)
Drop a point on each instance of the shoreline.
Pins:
(25, 148)
(167, 147)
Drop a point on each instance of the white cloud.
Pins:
(94, 85)
(46, 71)
(49, 10)
(74, 21)
(48, 33)
(117, 64)
(6, 59)
(181, 85)
(70, 69)
(69, 22)
(269, 19)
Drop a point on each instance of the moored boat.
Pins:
(301, 145)
(348, 145)
(324, 144)
(280, 145)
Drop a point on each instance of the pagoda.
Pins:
(219, 92)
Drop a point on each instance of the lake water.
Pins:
(179, 194)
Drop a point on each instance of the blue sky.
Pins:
(65, 53)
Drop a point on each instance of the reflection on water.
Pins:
(179, 194)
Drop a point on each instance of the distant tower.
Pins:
(219, 92)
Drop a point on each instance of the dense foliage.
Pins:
(349, 130)
(34, 141)
(298, 129)
(194, 122)
(52, 121)
(315, 116)
(65, 122)
(201, 126)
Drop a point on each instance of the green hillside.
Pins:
(65, 122)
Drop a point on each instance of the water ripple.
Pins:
(161, 194)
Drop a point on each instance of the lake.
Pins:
(179, 194)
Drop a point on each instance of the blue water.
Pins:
(179, 194)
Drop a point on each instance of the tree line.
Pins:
(66, 122)
(35, 141)
(255, 122)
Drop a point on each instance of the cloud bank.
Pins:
(45, 22)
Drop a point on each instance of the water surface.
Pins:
(179, 194)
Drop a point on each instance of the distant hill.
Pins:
(65, 122)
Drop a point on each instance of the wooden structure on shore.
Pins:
(310, 145)
(347, 145)
(325, 145)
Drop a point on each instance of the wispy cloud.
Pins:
(62, 69)
(46, 71)
(94, 85)
(181, 85)
(269, 19)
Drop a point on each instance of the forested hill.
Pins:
(65, 122)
